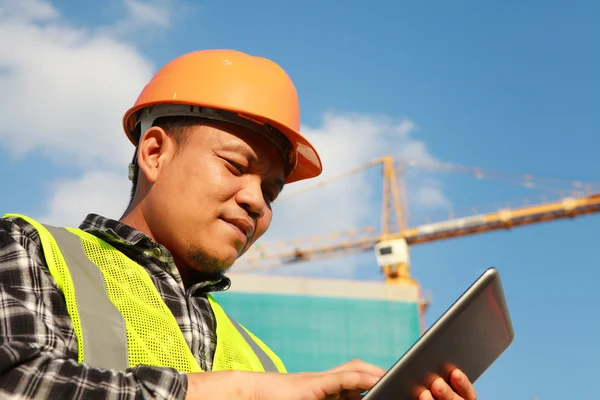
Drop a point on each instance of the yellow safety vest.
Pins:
(121, 321)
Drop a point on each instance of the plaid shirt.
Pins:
(38, 346)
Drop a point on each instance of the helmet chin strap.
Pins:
(132, 166)
(149, 115)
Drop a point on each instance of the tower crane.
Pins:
(391, 244)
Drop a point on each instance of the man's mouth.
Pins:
(243, 225)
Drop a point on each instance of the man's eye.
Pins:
(238, 167)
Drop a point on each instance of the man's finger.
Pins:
(359, 366)
(442, 391)
(337, 382)
(426, 395)
(462, 385)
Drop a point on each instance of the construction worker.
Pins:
(122, 309)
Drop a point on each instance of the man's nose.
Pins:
(252, 199)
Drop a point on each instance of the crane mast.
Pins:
(392, 251)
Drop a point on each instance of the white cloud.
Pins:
(27, 10)
(155, 13)
(429, 195)
(100, 192)
(141, 18)
(64, 89)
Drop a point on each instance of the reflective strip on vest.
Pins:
(265, 360)
(103, 327)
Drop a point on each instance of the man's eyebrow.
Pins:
(244, 149)
(241, 148)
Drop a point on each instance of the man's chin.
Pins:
(205, 262)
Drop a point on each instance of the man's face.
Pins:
(209, 201)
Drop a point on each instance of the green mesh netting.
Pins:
(317, 333)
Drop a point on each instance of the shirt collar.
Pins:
(122, 235)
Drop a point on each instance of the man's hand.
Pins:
(345, 382)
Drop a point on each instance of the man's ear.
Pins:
(155, 150)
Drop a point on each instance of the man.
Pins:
(122, 309)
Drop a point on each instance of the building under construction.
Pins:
(316, 324)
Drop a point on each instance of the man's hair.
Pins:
(175, 127)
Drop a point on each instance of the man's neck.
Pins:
(135, 218)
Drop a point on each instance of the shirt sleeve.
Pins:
(38, 347)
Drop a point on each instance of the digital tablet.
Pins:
(469, 336)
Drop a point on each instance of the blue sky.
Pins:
(509, 86)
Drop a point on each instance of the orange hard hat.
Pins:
(251, 89)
